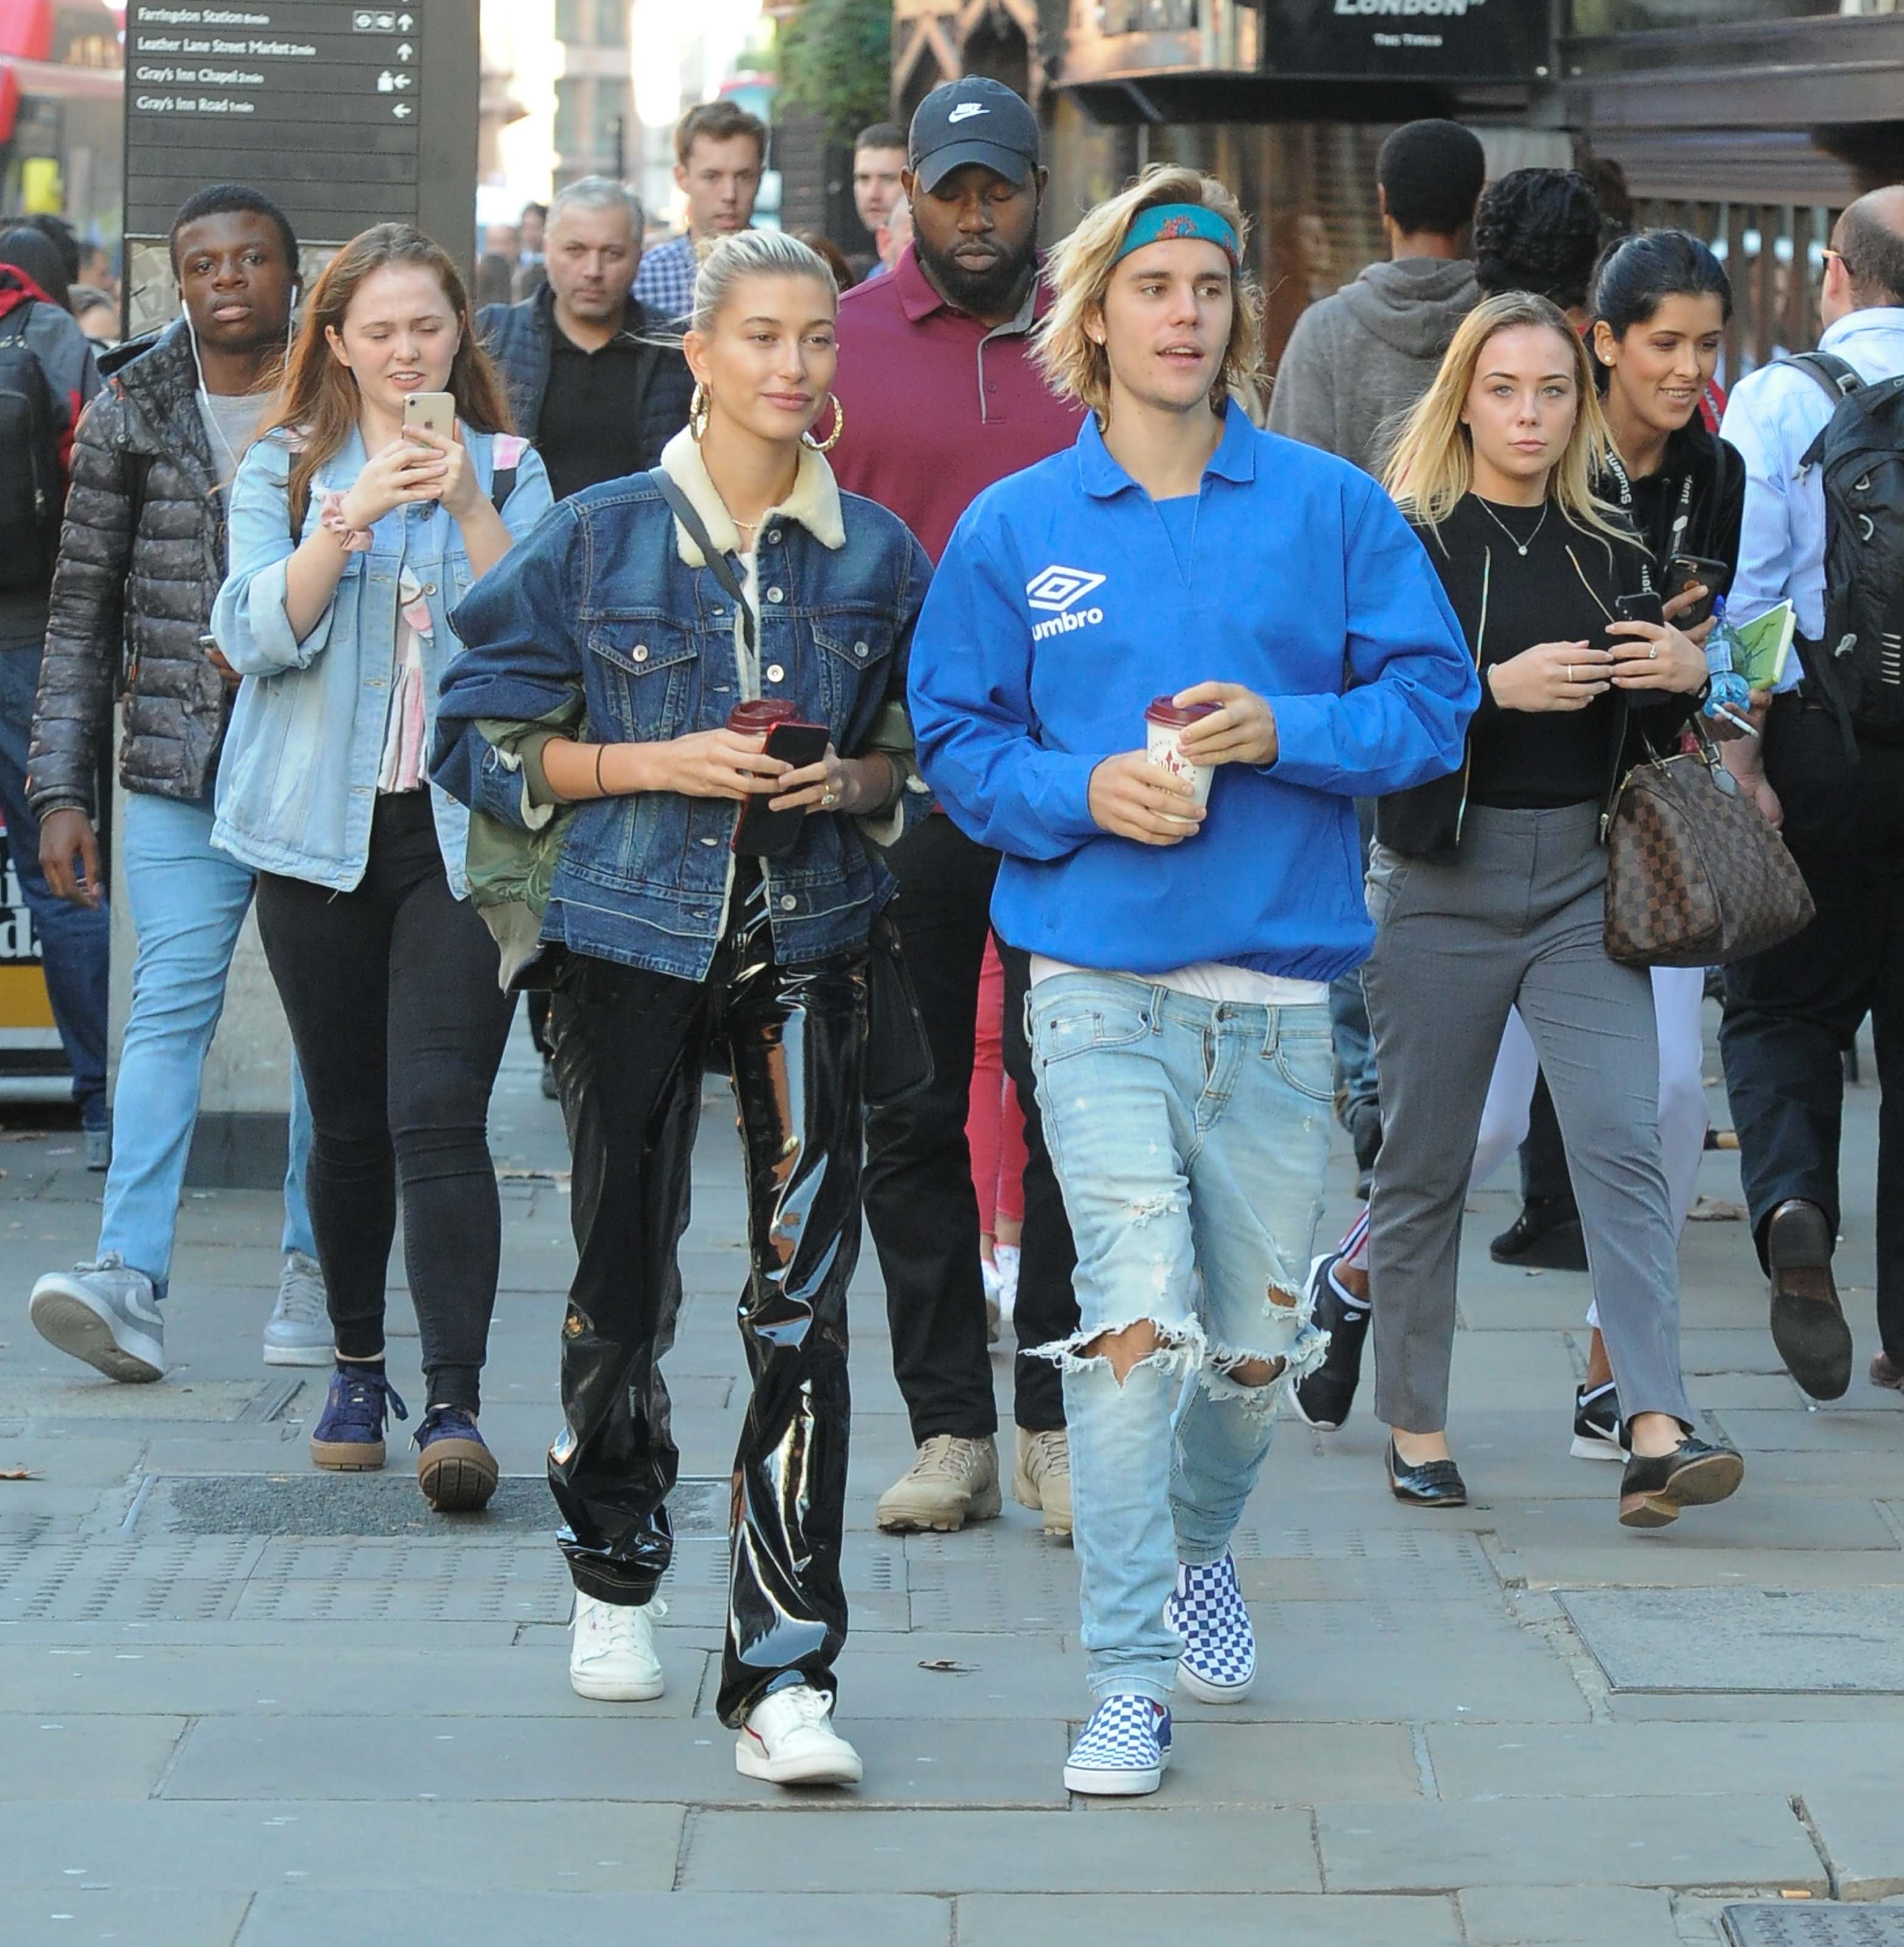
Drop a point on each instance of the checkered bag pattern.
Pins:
(1694, 876)
(1126, 1733)
(1208, 1611)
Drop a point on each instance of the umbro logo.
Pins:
(967, 110)
(1058, 591)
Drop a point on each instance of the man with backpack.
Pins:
(1822, 437)
(47, 375)
(141, 560)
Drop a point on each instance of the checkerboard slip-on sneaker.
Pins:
(1122, 1751)
(1207, 1611)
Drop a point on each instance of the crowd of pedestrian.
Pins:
(1049, 791)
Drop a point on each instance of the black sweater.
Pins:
(1507, 604)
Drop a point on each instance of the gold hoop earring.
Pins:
(832, 438)
(699, 406)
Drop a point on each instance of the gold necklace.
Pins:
(1520, 546)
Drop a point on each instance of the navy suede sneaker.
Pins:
(454, 1466)
(348, 1436)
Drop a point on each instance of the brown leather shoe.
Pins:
(1885, 1371)
(1808, 1324)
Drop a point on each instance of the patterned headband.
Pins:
(1163, 221)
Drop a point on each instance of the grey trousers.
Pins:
(1515, 919)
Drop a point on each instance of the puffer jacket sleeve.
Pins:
(86, 631)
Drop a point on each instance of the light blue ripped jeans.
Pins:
(1190, 1138)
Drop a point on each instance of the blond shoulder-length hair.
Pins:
(1072, 363)
(1432, 466)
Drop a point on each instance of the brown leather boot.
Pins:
(1808, 1324)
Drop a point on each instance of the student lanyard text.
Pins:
(1679, 525)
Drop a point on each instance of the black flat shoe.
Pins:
(1545, 1236)
(1808, 1324)
(1434, 1484)
(1695, 1474)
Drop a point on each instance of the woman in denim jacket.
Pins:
(351, 540)
(669, 946)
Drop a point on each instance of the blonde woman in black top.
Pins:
(1488, 890)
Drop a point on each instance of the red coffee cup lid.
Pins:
(1162, 710)
(762, 714)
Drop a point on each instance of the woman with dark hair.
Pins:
(1539, 231)
(352, 537)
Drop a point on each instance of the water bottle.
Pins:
(1730, 692)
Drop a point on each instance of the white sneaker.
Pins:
(1007, 1256)
(105, 1314)
(612, 1658)
(788, 1739)
(298, 1333)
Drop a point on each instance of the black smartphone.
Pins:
(1683, 571)
(763, 834)
(1640, 608)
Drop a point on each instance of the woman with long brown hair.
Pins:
(1488, 891)
(352, 537)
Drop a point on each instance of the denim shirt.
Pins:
(297, 783)
(602, 603)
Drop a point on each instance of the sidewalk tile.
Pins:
(1223, 1920)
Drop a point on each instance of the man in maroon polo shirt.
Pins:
(940, 399)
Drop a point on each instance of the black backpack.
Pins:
(29, 462)
(1859, 666)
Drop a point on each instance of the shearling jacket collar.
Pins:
(814, 502)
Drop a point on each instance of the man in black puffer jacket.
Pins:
(142, 556)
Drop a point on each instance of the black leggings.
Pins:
(399, 1024)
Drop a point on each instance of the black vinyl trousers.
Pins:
(629, 1049)
(1791, 1013)
(920, 1206)
(399, 1023)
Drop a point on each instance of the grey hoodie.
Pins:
(1367, 352)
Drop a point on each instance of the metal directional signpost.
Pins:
(349, 115)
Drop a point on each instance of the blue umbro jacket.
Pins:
(1059, 611)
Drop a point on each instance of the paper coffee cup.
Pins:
(1164, 724)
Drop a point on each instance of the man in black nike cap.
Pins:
(941, 399)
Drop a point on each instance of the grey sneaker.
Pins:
(298, 1331)
(105, 1314)
(99, 1149)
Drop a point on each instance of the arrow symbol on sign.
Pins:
(405, 22)
(406, 52)
(401, 111)
(402, 81)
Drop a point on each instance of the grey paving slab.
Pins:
(1568, 1916)
(993, 1920)
(166, 1845)
(1878, 1431)
(59, 1398)
(1771, 1753)
(1845, 1640)
(1189, 1851)
(1534, 1564)
(1768, 1523)
(283, 1917)
(1862, 1838)
(1217, 1763)
(72, 1917)
(1682, 1841)
(84, 1757)
(610, 1755)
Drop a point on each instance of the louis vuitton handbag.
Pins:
(1694, 876)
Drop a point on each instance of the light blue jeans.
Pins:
(188, 903)
(1190, 1138)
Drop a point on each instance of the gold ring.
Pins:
(1570, 672)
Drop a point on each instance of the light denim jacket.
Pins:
(297, 783)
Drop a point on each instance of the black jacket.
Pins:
(1712, 509)
(142, 557)
(1427, 820)
(520, 338)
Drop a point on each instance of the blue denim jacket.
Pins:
(602, 602)
(297, 782)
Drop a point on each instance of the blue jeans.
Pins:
(1190, 1137)
(73, 940)
(188, 904)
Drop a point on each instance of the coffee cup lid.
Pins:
(1162, 710)
(763, 713)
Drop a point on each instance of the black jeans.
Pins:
(629, 1049)
(399, 1024)
(920, 1203)
(1544, 1174)
(1791, 1013)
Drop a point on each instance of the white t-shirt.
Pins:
(1209, 980)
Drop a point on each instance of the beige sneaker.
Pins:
(1042, 1477)
(952, 1482)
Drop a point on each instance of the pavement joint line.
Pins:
(1424, 1761)
(172, 1758)
(1802, 1812)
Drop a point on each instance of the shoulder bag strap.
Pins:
(718, 564)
